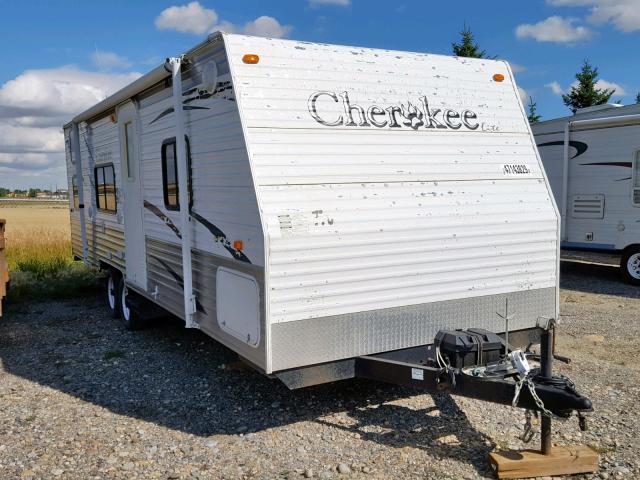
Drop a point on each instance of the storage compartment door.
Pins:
(238, 305)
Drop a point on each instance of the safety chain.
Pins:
(532, 390)
(528, 433)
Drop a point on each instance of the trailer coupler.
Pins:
(510, 380)
(557, 396)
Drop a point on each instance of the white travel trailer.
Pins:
(592, 160)
(307, 204)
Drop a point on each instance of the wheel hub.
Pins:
(111, 295)
(633, 266)
(125, 308)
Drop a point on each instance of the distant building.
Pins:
(60, 194)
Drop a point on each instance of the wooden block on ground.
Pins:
(532, 463)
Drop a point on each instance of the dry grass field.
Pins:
(38, 250)
(38, 235)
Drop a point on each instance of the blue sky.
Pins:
(62, 57)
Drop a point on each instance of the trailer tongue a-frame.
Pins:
(332, 212)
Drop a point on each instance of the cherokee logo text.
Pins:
(392, 116)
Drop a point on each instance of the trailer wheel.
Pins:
(130, 316)
(113, 293)
(630, 265)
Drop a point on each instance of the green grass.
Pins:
(41, 268)
(71, 281)
(39, 255)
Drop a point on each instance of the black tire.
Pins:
(112, 291)
(630, 265)
(130, 316)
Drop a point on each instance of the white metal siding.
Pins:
(405, 243)
(604, 169)
(365, 218)
(99, 145)
(222, 187)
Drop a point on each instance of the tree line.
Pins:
(585, 92)
(27, 193)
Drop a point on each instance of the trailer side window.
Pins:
(170, 174)
(636, 179)
(105, 181)
(74, 188)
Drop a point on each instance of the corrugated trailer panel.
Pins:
(297, 156)
(219, 167)
(363, 216)
(404, 243)
(602, 168)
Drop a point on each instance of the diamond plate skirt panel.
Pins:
(318, 340)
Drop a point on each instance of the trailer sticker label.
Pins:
(417, 374)
(515, 169)
(414, 116)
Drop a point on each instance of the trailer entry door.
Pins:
(135, 251)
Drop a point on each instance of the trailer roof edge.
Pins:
(146, 81)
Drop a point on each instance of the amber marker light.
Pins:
(251, 58)
(498, 77)
(237, 244)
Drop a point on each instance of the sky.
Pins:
(61, 57)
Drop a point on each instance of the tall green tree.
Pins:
(638, 98)
(585, 93)
(533, 111)
(467, 47)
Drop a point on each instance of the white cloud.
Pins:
(194, 18)
(623, 14)
(554, 29)
(190, 18)
(225, 26)
(28, 162)
(267, 27)
(524, 95)
(33, 107)
(555, 88)
(517, 68)
(340, 3)
(51, 93)
(619, 90)
(20, 139)
(110, 61)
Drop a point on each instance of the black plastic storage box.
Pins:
(465, 348)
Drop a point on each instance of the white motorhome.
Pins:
(592, 160)
(306, 204)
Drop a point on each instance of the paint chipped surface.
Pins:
(363, 214)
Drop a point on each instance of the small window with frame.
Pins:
(105, 182)
(635, 179)
(170, 187)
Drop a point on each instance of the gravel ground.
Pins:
(82, 398)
